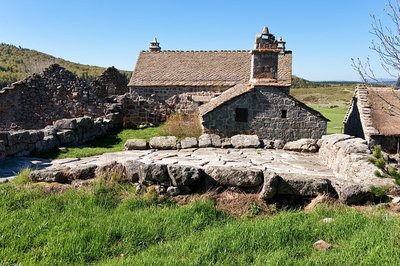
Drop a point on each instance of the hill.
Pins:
(16, 63)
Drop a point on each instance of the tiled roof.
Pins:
(191, 68)
(241, 89)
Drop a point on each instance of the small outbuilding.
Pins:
(374, 115)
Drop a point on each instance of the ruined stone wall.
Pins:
(145, 106)
(110, 82)
(40, 99)
(265, 107)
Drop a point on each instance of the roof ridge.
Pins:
(195, 51)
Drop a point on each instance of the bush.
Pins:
(386, 171)
(182, 125)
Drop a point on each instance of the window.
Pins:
(283, 113)
(241, 114)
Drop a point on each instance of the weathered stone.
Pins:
(141, 189)
(135, 144)
(183, 175)
(215, 140)
(270, 185)
(153, 173)
(66, 123)
(268, 144)
(83, 172)
(205, 141)
(237, 177)
(279, 144)
(160, 190)
(173, 191)
(112, 171)
(245, 141)
(50, 175)
(356, 194)
(226, 143)
(302, 145)
(163, 143)
(189, 142)
(304, 186)
(67, 137)
(132, 170)
(322, 245)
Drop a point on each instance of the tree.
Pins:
(386, 44)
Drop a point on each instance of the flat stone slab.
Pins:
(298, 172)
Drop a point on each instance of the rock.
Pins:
(328, 220)
(322, 245)
(163, 143)
(205, 141)
(173, 191)
(237, 177)
(135, 144)
(50, 175)
(270, 185)
(268, 143)
(355, 194)
(320, 199)
(65, 123)
(183, 175)
(189, 142)
(152, 173)
(215, 140)
(226, 143)
(304, 186)
(140, 189)
(245, 141)
(83, 172)
(302, 145)
(279, 144)
(160, 190)
(112, 171)
(132, 170)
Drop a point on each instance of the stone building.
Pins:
(374, 115)
(234, 91)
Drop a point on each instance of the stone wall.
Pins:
(285, 67)
(145, 106)
(265, 107)
(110, 82)
(41, 99)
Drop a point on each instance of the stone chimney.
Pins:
(154, 46)
(271, 63)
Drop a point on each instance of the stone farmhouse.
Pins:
(235, 92)
(374, 115)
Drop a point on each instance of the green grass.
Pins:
(335, 114)
(108, 225)
(110, 143)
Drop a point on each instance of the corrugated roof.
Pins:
(191, 68)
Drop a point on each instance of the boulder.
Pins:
(304, 186)
(279, 144)
(245, 141)
(112, 171)
(236, 177)
(50, 175)
(183, 175)
(226, 143)
(322, 245)
(132, 170)
(355, 194)
(209, 140)
(135, 144)
(83, 172)
(270, 185)
(173, 191)
(66, 123)
(163, 143)
(189, 142)
(152, 173)
(302, 145)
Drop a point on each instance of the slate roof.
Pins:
(191, 68)
(241, 89)
(379, 109)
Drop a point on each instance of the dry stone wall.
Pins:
(41, 99)
(110, 82)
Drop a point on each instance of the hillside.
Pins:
(16, 63)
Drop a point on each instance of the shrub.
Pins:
(182, 125)
(386, 171)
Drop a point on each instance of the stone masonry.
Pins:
(110, 82)
(270, 114)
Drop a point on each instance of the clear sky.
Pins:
(323, 34)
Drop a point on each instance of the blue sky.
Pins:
(323, 34)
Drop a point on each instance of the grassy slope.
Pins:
(110, 226)
(17, 63)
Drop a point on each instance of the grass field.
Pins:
(106, 224)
